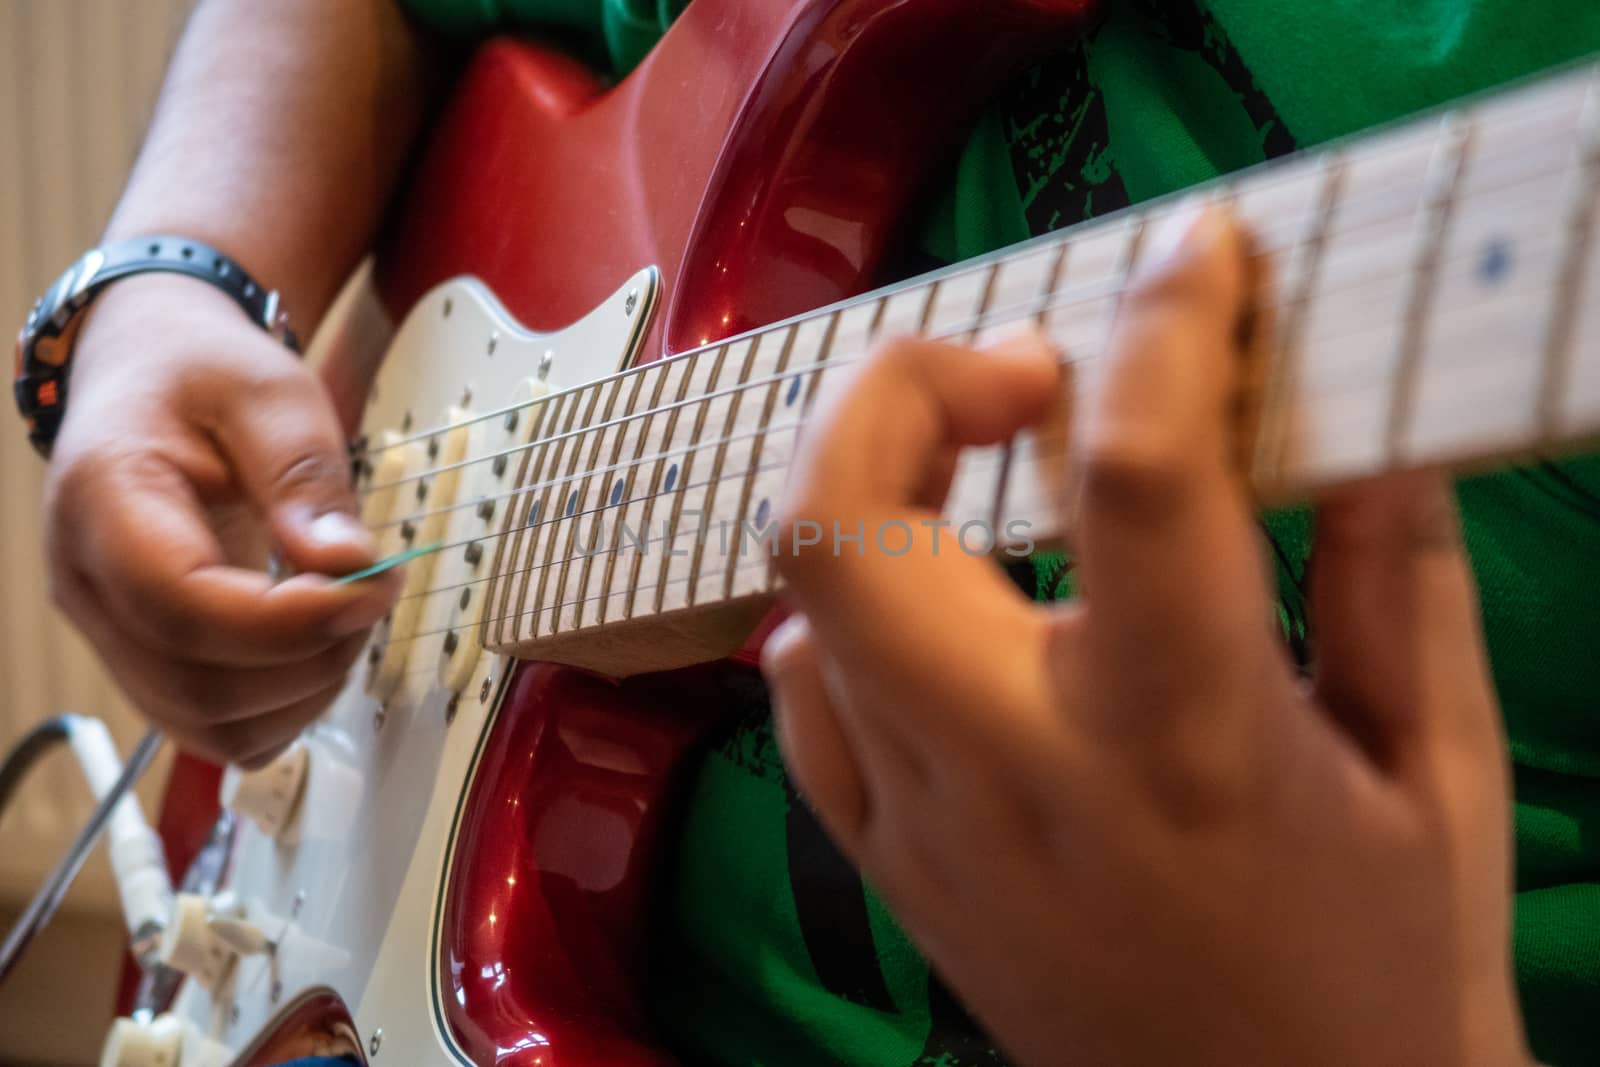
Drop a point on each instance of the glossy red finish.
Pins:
(543, 930)
(764, 157)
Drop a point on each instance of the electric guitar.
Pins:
(615, 309)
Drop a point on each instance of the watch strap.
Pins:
(44, 349)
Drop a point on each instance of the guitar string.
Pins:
(1105, 289)
(1246, 183)
(558, 515)
(1000, 317)
(568, 559)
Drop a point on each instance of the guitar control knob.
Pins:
(188, 944)
(244, 937)
(270, 794)
(165, 1041)
(131, 1043)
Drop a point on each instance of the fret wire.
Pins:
(984, 300)
(747, 480)
(552, 528)
(1272, 446)
(688, 462)
(1433, 220)
(608, 579)
(621, 436)
(930, 296)
(503, 545)
(571, 522)
(824, 362)
(1128, 259)
(719, 458)
(535, 503)
(533, 459)
(667, 434)
(1575, 262)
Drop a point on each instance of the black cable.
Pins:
(35, 744)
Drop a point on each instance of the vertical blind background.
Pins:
(78, 79)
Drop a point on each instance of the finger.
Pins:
(287, 449)
(251, 742)
(182, 694)
(1394, 614)
(1168, 547)
(149, 554)
(820, 756)
(876, 440)
(863, 464)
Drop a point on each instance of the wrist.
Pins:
(49, 345)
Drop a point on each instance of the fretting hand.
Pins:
(1124, 829)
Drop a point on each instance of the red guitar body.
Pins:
(767, 157)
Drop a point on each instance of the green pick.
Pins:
(390, 564)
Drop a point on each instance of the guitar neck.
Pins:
(1432, 302)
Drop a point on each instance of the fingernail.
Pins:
(1188, 235)
(339, 530)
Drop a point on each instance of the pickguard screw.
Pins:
(377, 719)
(466, 396)
(375, 1042)
(277, 991)
(449, 306)
(450, 709)
(494, 342)
(483, 691)
(545, 361)
(632, 303)
(299, 903)
(233, 1014)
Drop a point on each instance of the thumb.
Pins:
(286, 448)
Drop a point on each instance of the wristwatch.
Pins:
(44, 348)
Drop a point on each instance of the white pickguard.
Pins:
(349, 891)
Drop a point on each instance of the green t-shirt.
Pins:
(773, 951)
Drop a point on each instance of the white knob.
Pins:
(188, 944)
(269, 795)
(165, 1041)
(158, 1043)
(242, 936)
